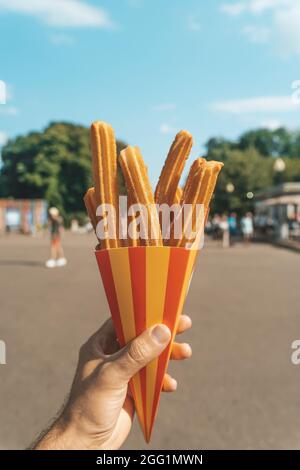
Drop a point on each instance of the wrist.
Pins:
(64, 435)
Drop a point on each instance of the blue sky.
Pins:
(150, 67)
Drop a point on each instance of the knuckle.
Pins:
(137, 352)
(83, 350)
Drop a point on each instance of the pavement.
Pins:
(239, 390)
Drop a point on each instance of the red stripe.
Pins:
(137, 261)
(177, 270)
(103, 261)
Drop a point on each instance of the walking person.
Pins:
(224, 226)
(57, 257)
(247, 227)
(232, 221)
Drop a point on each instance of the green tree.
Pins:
(249, 165)
(243, 173)
(272, 143)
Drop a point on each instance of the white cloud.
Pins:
(280, 28)
(62, 39)
(261, 104)
(60, 13)
(164, 107)
(193, 24)
(9, 110)
(233, 9)
(271, 124)
(287, 26)
(254, 6)
(3, 92)
(259, 6)
(3, 138)
(167, 129)
(257, 34)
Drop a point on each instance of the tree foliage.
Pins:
(249, 165)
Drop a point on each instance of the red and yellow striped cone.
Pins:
(145, 286)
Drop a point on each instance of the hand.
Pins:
(100, 409)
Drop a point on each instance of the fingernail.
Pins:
(174, 384)
(188, 349)
(161, 334)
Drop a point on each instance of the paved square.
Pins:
(239, 390)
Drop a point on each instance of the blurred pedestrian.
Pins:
(57, 257)
(232, 221)
(247, 227)
(224, 226)
(215, 226)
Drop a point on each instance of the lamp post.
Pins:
(279, 168)
(230, 187)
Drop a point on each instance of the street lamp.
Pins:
(279, 165)
(230, 187)
(278, 168)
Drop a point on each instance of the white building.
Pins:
(277, 211)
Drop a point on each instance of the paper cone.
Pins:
(145, 286)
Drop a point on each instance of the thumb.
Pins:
(140, 351)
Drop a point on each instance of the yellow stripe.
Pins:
(157, 263)
(119, 260)
(186, 283)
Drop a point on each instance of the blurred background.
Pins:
(228, 72)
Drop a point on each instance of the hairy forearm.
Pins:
(62, 436)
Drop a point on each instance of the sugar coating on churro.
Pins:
(170, 175)
(138, 185)
(216, 168)
(104, 155)
(178, 195)
(196, 165)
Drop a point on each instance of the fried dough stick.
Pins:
(105, 176)
(170, 175)
(139, 189)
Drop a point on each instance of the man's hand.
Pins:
(100, 409)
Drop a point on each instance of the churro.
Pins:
(196, 165)
(198, 191)
(139, 188)
(170, 175)
(216, 168)
(133, 239)
(178, 195)
(105, 175)
(91, 206)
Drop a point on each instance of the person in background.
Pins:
(232, 221)
(57, 257)
(215, 223)
(224, 226)
(247, 227)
